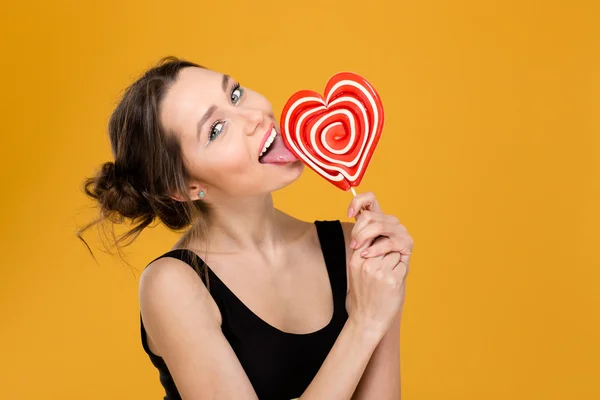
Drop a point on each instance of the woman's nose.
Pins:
(253, 118)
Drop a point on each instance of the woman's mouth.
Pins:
(268, 141)
(273, 150)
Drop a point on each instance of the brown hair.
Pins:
(148, 167)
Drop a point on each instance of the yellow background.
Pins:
(490, 157)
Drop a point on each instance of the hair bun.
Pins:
(116, 194)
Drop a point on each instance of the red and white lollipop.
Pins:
(336, 135)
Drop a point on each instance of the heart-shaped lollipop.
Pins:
(336, 135)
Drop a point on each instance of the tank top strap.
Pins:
(333, 245)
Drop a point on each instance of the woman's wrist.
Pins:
(369, 334)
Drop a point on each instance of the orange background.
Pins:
(490, 157)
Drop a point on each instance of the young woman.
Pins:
(250, 302)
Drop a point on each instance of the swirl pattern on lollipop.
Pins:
(335, 136)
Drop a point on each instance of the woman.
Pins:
(273, 307)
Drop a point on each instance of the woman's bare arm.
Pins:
(381, 379)
(179, 315)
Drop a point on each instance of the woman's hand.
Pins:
(376, 284)
(372, 224)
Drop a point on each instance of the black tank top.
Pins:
(279, 365)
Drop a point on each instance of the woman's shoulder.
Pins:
(169, 282)
(168, 274)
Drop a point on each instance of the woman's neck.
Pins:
(249, 224)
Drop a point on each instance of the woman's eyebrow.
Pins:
(203, 120)
(225, 82)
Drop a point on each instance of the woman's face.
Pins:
(223, 129)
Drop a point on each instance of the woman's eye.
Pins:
(215, 130)
(236, 94)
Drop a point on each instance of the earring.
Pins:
(201, 194)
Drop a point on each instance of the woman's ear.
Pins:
(195, 191)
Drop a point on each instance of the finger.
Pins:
(371, 231)
(406, 245)
(355, 259)
(365, 218)
(405, 258)
(366, 201)
(401, 244)
(381, 246)
(401, 271)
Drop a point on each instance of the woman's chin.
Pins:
(288, 174)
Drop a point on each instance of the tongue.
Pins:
(278, 153)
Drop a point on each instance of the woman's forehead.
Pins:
(197, 85)
(192, 94)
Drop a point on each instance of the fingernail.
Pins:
(364, 253)
(350, 212)
(353, 244)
